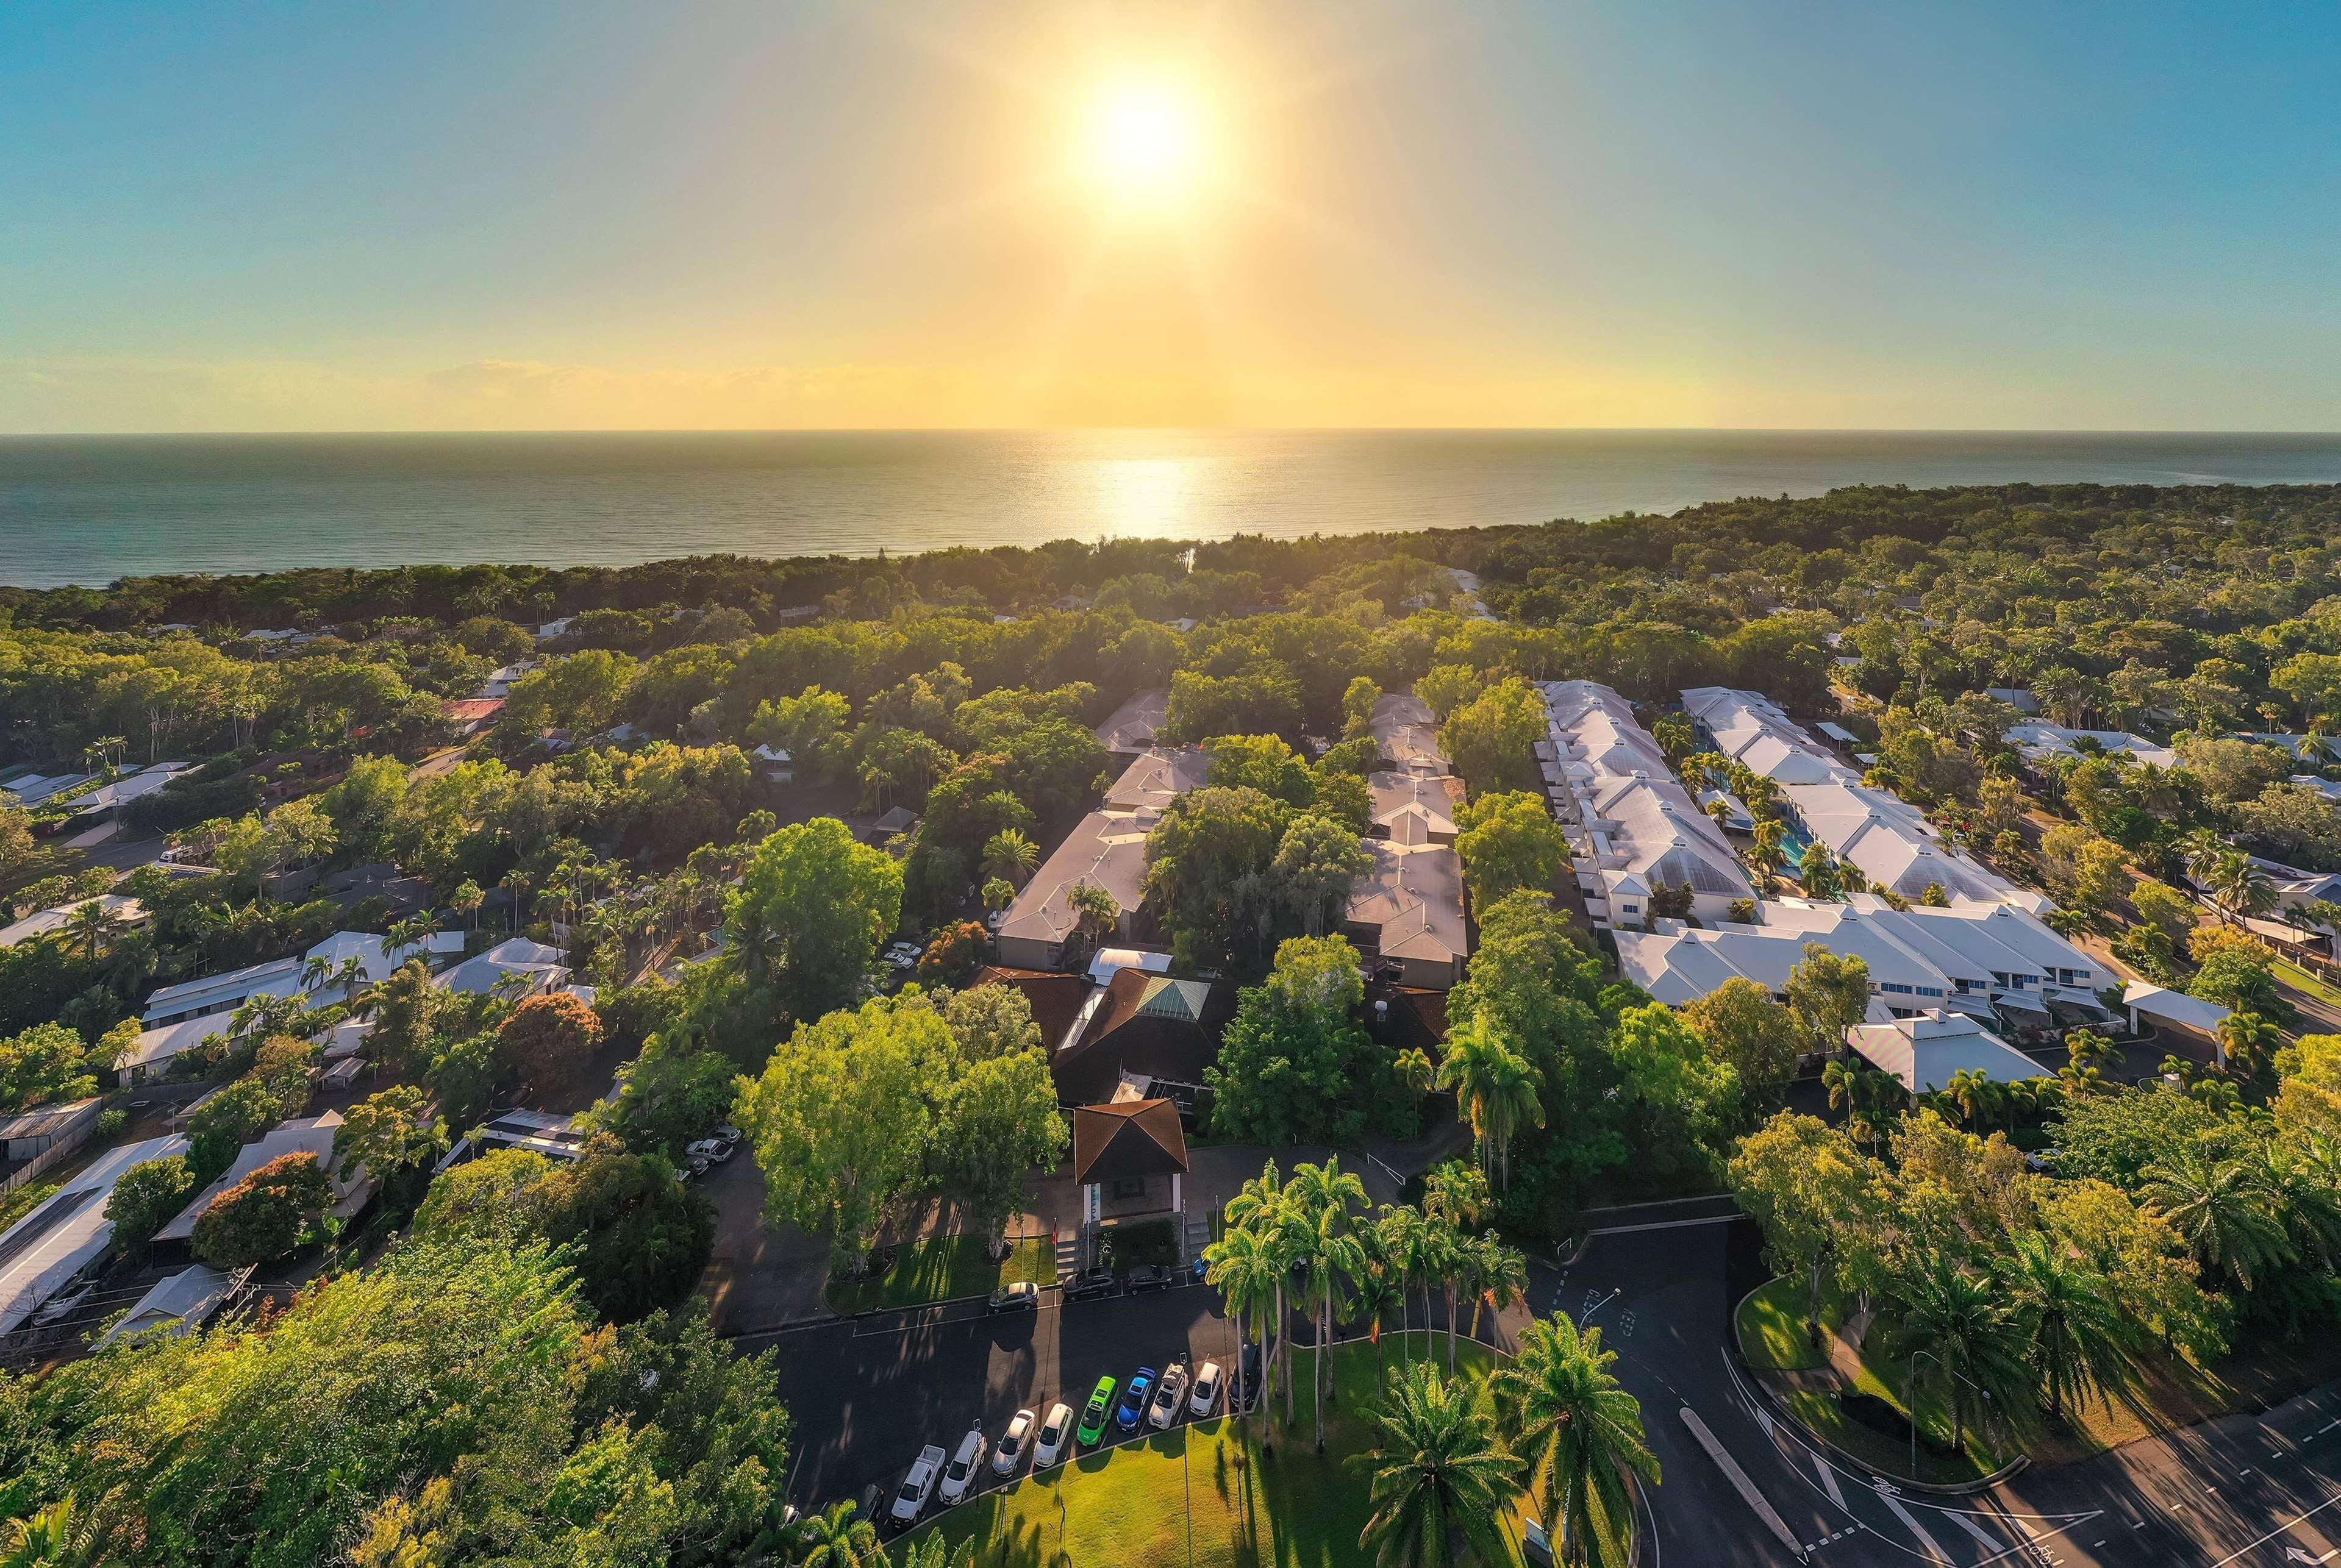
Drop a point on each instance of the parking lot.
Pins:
(868, 1394)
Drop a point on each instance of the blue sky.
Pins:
(439, 216)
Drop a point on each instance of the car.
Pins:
(1249, 1382)
(960, 1474)
(1133, 1400)
(1093, 1417)
(910, 1498)
(730, 1135)
(1022, 1296)
(1207, 1389)
(1169, 1399)
(714, 1151)
(1053, 1433)
(1010, 1452)
(698, 1166)
(1150, 1276)
(1090, 1285)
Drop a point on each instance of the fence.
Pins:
(50, 1156)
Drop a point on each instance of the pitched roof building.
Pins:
(1407, 732)
(1409, 911)
(1924, 1051)
(1105, 849)
(1158, 775)
(1128, 1141)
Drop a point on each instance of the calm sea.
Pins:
(90, 509)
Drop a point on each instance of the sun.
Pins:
(1143, 143)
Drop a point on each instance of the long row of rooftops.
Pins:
(1889, 840)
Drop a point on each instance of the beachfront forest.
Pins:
(718, 793)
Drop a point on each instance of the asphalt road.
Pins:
(2245, 1490)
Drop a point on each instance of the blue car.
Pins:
(1133, 1408)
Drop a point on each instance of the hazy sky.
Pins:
(1342, 212)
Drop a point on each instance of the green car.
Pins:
(1100, 1405)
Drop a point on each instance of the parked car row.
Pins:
(705, 1154)
(1152, 1399)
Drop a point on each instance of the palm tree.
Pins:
(465, 900)
(2238, 885)
(2222, 1209)
(1326, 1200)
(2246, 1039)
(1413, 1069)
(2088, 1049)
(2079, 1340)
(1455, 1193)
(1973, 1090)
(2301, 1182)
(838, 1539)
(1249, 1275)
(1501, 1273)
(1010, 854)
(1405, 1239)
(1094, 910)
(90, 927)
(1261, 1208)
(1582, 1434)
(1962, 1339)
(1449, 1257)
(1440, 1478)
(932, 1553)
(1496, 1086)
(1376, 1296)
(50, 1537)
(411, 932)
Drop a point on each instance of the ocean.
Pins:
(92, 509)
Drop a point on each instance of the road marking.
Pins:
(1661, 1225)
(1829, 1477)
(1934, 1548)
(1740, 1484)
(2272, 1534)
(1967, 1522)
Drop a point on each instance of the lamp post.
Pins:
(1917, 1356)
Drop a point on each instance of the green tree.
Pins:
(1207, 871)
(1440, 1478)
(812, 907)
(264, 1216)
(1744, 1025)
(839, 1539)
(388, 1133)
(1263, 762)
(1828, 994)
(1508, 841)
(2222, 1209)
(228, 1119)
(1491, 739)
(1318, 862)
(147, 1197)
(996, 1123)
(1495, 1086)
(2078, 1340)
(1814, 1196)
(1009, 855)
(1294, 1066)
(1582, 1435)
(46, 1064)
(842, 1117)
(1963, 1337)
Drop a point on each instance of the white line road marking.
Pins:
(1934, 1548)
(1661, 1225)
(1828, 1481)
(1967, 1522)
(2279, 1530)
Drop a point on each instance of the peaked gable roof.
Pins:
(1128, 1140)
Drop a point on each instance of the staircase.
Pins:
(1194, 1236)
(1069, 1255)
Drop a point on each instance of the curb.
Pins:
(1781, 1413)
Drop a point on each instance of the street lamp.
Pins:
(1917, 1356)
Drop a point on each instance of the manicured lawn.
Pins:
(1206, 1486)
(940, 1267)
(2301, 980)
(1772, 1332)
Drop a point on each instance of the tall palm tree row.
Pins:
(1497, 1087)
(1440, 1477)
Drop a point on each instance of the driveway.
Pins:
(760, 1277)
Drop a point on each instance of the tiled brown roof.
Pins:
(1128, 1140)
(1146, 1025)
(1055, 998)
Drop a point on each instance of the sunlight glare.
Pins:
(1144, 143)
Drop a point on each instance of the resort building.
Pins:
(1157, 777)
(1408, 733)
(310, 1136)
(69, 1233)
(1995, 963)
(300, 976)
(1415, 808)
(2041, 744)
(1405, 915)
(1888, 841)
(1105, 849)
(1926, 1050)
(1137, 725)
(1632, 829)
(43, 922)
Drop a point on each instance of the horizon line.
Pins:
(2000, 431)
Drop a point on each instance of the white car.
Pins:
(1206, 1396)
(1055, 1433)
(960, 1474)
(1014, 1442)
(714, 1151)
(1169, 1398)
(918, 1485)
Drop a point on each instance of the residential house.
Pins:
(66, 1234)
(1105, 849)
(1924, 1051)
(1405, 915)
(1408, 733)
(1137, 725)
(1157, 776)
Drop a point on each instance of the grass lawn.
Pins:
(1772, 1327)
(940, 1267)
(2301, 980)
(1204, 1486)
